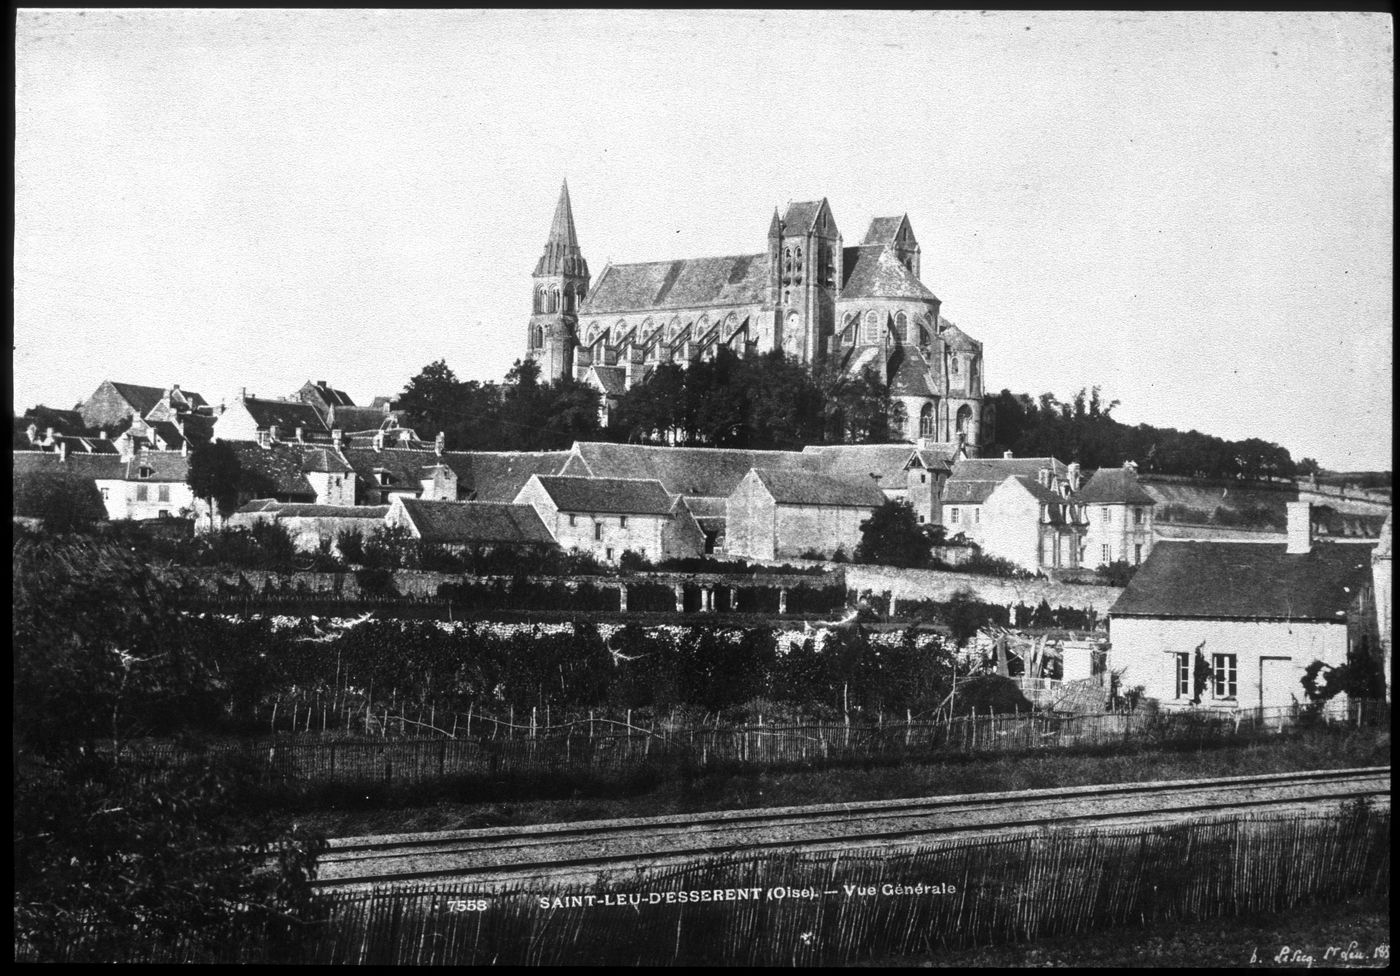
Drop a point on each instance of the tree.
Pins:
(110, 864)
(62, 501)
(1309, 467)
(215, 475)
(964, 616)
(893, 537)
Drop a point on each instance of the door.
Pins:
(1278, 683)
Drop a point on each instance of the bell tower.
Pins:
(560, 285)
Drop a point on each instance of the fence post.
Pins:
(442, 758)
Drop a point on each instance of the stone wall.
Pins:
(930, 584)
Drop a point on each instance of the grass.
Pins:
(1254, 941)
(351, 815)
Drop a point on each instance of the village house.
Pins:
(1019, 509)
(1246, 618)
(476, 526)
(775, 513)
(267, 421)
(609, 516)
(1119, 512)
(113, 406)
(310, 525)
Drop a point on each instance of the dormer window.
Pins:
(145, 472)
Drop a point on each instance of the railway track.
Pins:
(589, 850)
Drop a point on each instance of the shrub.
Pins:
(1116, 574)
(632, 561)
(351, 545)
(62, 501)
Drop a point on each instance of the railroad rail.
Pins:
(591, 850)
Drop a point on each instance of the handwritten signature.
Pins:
(1351, 952)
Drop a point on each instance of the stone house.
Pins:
(1019, 509)
(267, 421)
(1258, 613)
(608, 516)
(309, 524)
(323, 397)
(114, 405)
(775, 513)
(470, 525)
(1119, 511)
(914, 475)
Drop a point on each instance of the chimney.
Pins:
(336, 435)
(439, 443)
(321, 384)
(1299, 527)
(174, 387)
(301, 434)
(1006, 456)
(242, 393)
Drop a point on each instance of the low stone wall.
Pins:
(932, 584)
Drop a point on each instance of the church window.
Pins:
(674, 329)
(926, 420)
(554, 299)
(901, 327)
(592, 337)
(964, 419)
(620, 330)
(797, 265)
(872, 326)
(569, 298)
(540, 300)
(850, 327)
(953, 366)
(787, 262)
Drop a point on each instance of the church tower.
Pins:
(560, 286)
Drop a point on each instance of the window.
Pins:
(573, 520)
(608, 555)
(953, 516)
(923, 479)
(622, 521)
(1107, 514)
(598, 533)
(901, 327)
(953, 366)
(921, 518)
(104, 493)
(977, 515)
(1137, 554)
(162, 493)
(1139, 515)
(926, 420)
(1183, 675)
(872, 326)
(140, 493)
(1105, 559)
(1223, 672)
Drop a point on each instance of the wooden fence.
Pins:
(493, 747)
(803, 909)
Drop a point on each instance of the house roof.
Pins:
(325, 460)
(973, 479)
(476, 522)
(612, 379)
(1246, 580)
(168, 466)
(104, 467)
(1041, 494)
(934, 461)
(498, 476)
(855, 463)
(351, 417)
(1114, 486)
(709, 513)
(688, 471)
(287, 415)
(167, 431)
(403, 466)
(691, 283)
(143, 398)
(273, 470)
(299, 510)
(879, 274)
(83, 445)
(624, 496)
(790, 487)
(328, 395)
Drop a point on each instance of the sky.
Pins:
(1193, 211)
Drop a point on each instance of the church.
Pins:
(807, 295)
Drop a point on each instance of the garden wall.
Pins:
(933, 584)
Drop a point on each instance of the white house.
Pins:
(1257, 613)
(1119, 512)
(270, 421)
(1019, 509)
(608, 516)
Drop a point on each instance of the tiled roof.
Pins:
(476, 522)
(883, 230)
(166, 466)
(321, 459)
(911, 376)
(613, 379)
(624, 496)
(1246, 580)
(879, 274)
(167, 431)
(403, 466)
(689, 471)
(856, 462)
(973, 479)
(498, 476)
(275, 470)
(802, 488)
(709, 512)
(141, 398)
(287, 415)
(328, 395)
(955, 338)
(934, 461)
(351, 417)
(106, 467)
(801, 216)
(693, 283)
(1040, 492)
(1114, 486)
(82, 445)
(298, 510)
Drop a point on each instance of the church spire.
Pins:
(561, 251)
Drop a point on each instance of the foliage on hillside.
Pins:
(1083, 429)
